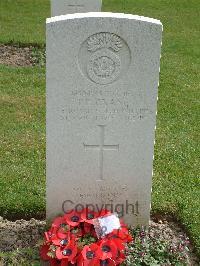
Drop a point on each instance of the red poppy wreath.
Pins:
(73, 239)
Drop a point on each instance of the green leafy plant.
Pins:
(22, 257)
(150, 250)
(38, 56)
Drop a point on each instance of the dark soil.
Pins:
(13, 55)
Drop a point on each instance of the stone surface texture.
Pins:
(102, 82)
(63, 7)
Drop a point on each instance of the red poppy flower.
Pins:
(68, 253)
(58, 229)
(54, 262)
(73, 218)
(63, 240)
(82, 262)
(121, 251)
(76, 232)
(66, 231)
(51, 234)
(59, 222)
(119, 243)
(43, 252)
(89, 229)
(107, 249)
(64, 262)
(108, 262)
(103, 212)
(90, 256)
(44, 255)
(88, 215)
(120, 258)
(61, 235)
(47, 236)
(121, 233)
(125, 230)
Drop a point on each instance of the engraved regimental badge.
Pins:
(104, 57)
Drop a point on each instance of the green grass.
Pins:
(23, 21)
(176, 186)
(22, 131)
(176, 183)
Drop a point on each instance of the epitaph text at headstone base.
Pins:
(63, 7)
(102, 81)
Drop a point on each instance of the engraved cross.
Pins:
(101, 147)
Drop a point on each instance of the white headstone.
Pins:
(102, 81)
(63, 7)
